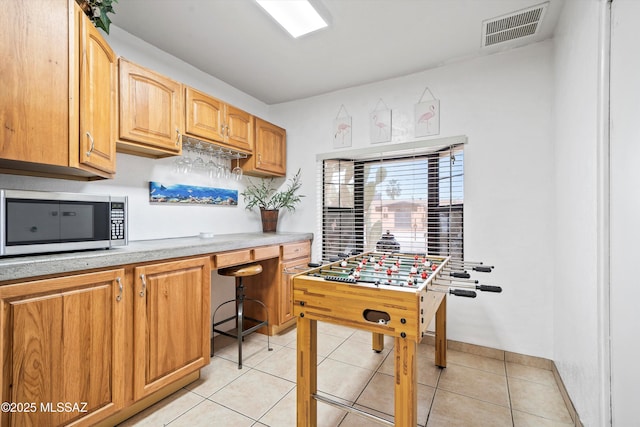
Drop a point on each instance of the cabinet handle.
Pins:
(178, 137)
(259, 158)
(120, 289)
(92, 144)
(144, 285)
(295, 270)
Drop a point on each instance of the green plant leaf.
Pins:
(264, 195)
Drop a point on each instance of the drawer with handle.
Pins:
(296, 250)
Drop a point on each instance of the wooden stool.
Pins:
(239, 272)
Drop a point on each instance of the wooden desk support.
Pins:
(409, 310)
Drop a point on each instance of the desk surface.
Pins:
(22, 267)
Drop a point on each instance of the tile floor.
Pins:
(471, 391)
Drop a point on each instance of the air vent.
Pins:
(513, 26)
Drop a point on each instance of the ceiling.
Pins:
(366, 41)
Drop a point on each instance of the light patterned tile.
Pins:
(281, 364)
(284, 413)
(254, 350)
(208, 414)
(286, 338)
(529, 373)
(327, 344)
(366, 336)
(253, 394)
(455, 410)
(166, 410)
(333, 329)
(476, 384)
(475, 361)
(359, 353)
(379, 395)
(214, 376)
(538, 399)
(522, 419)
(342, 379)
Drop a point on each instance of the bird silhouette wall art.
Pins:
(380, 126)
(342, 132)
(427, 117)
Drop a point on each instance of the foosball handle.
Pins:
(314, 265)
(462, 293)
(461, 275)
(483, 269)
(489, 288)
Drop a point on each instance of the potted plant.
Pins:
(270, 201)
(97, 11)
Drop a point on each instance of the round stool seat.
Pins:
(241, 270)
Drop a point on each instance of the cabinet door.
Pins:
(204, 115)
(98, 115)
(289, 269)
(34, 99)
(63, 341)
(270, 151)
(171, 322)
(150, 112)
(239, 130)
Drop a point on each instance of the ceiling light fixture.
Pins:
(298, 17)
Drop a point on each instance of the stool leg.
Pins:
(240, 326)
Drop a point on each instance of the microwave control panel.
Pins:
(118, 220)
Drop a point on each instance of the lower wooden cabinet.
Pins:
(95, 348)
(274, 288)
(63, 349)
(295, 258)
(171, 322)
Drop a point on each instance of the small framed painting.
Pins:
(191, 195)
(427, 118)
(380, 126)
(342, 132)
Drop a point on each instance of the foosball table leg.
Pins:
(406, 383)
(307, 381)
(441, 334)
(377, 341)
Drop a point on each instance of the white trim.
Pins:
(404, 148)
(603, 219)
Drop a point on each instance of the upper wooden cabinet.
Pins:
(269, 151)
(150, 112)
(211, 119)
(98, 100)
(58, 100)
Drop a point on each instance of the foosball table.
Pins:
(387, 294)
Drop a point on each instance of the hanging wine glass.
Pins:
(237, 171)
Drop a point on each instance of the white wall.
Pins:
(503, 104)
(578, 316)
(625, 211)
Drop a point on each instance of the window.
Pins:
(418, 198)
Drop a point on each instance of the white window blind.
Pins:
(417, 196)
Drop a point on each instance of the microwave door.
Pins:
(32, 222)
(77, 222)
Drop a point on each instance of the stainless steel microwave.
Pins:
(39, 222)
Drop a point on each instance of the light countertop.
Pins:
(22, 267)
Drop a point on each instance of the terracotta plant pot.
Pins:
(269, 220)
